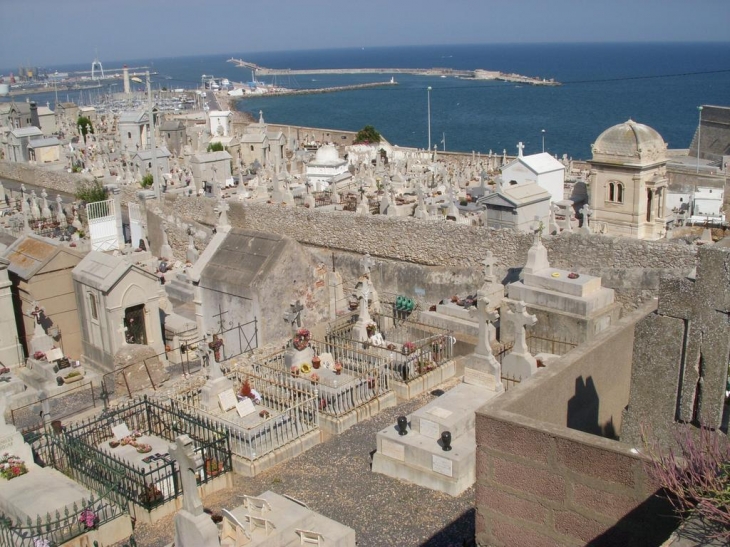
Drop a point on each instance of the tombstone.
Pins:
(294, 355)
(359, 330)
(193, 527)
(45, 210)
(60, 213)
(192, 253)
(11, 440)
(165, 248)
(35, 211)
(586, 212)
(217, 383)
(553, 227)
(519, 364)
(482, 368)
(537, 257)
(40, 340)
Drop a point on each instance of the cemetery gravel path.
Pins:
(334, 479)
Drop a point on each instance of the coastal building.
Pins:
(174, 135)
(515, 207)
(118, 304)
(542, 169)
(45, 150)
(327, 168)
(15, 115)
(47, 120)
(17, 143)
(133, 130)
(68, 111)
(628, 183)
(142, 161)
(220, 122)
(211, 171)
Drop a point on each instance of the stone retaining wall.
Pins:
(59, 180)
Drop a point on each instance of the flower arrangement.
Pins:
(151, 494)
(88, 518)
(314, 377)
(4, 370)
(573, 275)
(39, 356)
(294, 370)
(245, 390)
(11, 466)
(306, 368)
(371, 328)
(143, 448)
(301, 339)
(213, 467)
(264, 413)
(408, 348)
(338, 367)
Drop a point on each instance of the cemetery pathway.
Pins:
(334, 479)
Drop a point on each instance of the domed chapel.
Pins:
(628, 182)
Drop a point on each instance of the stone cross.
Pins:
(489, 263)
(586, 212)
(520, 319)
(214, 369)
(484, 316)
(293, 316)
(367, 263)
(520, 147)
(60, 214)
(364, 313)
(223, 218)
(537, 228)
(188, 462)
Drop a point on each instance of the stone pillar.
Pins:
(11, 352)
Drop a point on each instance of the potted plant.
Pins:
(301, 339)
(213, 467)
(306, 368)
(316, 362)
(371, 328)
(408, 348)
(314, 378)
(294, 370)
(338, 368)
(74, 376)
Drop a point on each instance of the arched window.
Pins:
(615, 192)
(129, 134)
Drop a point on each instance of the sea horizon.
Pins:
(656, 83)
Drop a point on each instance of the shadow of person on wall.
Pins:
(582, 412)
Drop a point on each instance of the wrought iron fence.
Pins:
(288, 412)
(363, 378)
(64, 525)
(539, 344)
(409, 350)
(84, 443)
(72, 401)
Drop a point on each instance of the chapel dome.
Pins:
(630, 142)
(327, 154)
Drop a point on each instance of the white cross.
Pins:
(489, 263)
(520, 147)
(367, 263)
(520, 319)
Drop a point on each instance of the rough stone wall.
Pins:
(60, 181)
(631, 267)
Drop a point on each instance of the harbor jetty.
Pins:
(477, 74)
(312, 91)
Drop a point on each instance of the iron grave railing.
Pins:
(89, 455)
(285, 411)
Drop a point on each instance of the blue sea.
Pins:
(603, 84)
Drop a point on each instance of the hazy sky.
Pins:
(51, 32)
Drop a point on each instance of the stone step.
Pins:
(454, 411)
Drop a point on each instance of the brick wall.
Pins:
(540, 483)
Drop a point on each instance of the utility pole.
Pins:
(699, 135)
(153, 144)
(429, 119)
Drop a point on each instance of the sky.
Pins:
(56, 32)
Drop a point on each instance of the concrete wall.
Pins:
(540, 483)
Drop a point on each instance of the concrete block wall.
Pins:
(540, 483)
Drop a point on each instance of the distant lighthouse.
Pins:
(126, 80)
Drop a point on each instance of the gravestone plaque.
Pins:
(227, 400)
(393, 450)
(440, 412)
(54, 355)
(429, 429)
(6, 442)
(120, 431)
(442, 466)
(245, 407)
(327, 361)
(478, 378)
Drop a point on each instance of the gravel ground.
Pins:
(334, 479)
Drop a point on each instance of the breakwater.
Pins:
(318, 90)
